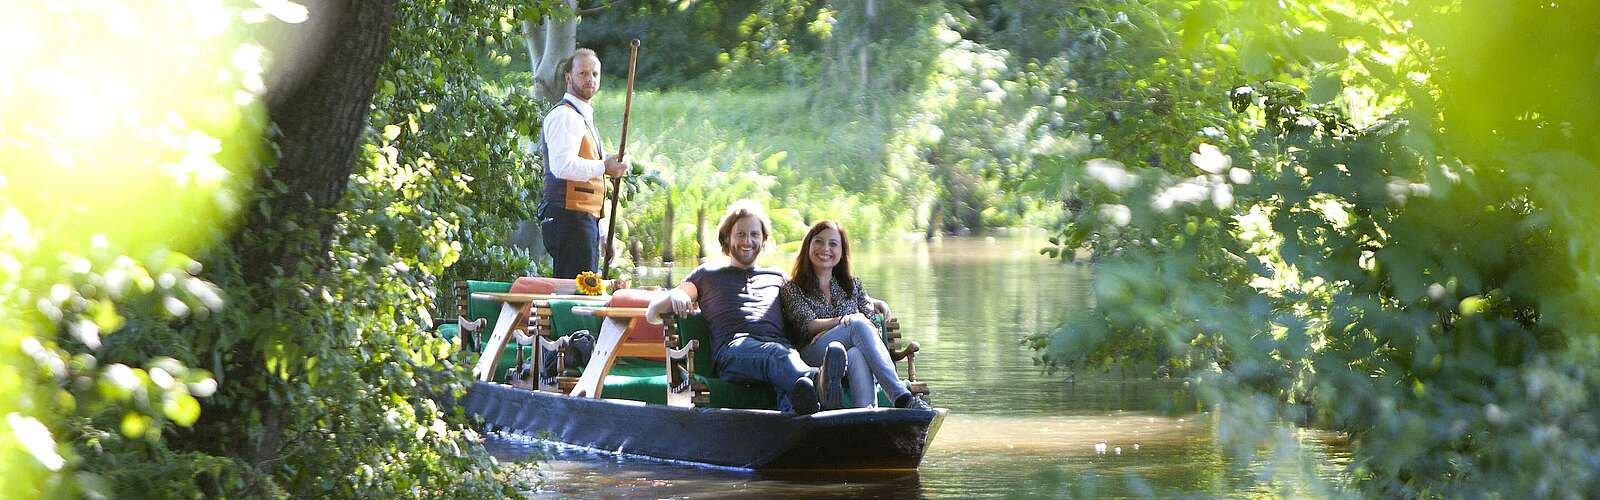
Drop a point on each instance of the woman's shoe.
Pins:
(831, 377)
(911, 401)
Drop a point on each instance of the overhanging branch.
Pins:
(593, 10)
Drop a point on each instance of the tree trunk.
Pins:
(320, 120)
(700, 234)
(320, 113)
(548, 44)
(533, 36)
(864, 43)
(527, 235)
(559, 37)
(666, 245)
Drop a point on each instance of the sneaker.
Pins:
(911, 401)
(831, 377)
(803, 397)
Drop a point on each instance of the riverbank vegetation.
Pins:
(1367, 216)
(220, 247)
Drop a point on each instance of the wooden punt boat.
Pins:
(652, 404)
(878, 438)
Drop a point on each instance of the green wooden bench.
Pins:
(475, 319)
(651, 381)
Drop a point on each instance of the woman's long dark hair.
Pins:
(805, 274)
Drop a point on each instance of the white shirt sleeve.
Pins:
(563, 134)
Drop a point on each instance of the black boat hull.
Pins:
(882, 438)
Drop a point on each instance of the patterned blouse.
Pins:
(800, 307)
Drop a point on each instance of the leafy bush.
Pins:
(137, 370)
(1321, 213)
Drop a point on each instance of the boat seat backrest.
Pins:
(563, 322)
(695, 327)
(487, 310)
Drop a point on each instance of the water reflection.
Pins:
(1012, 430)
(571, 472)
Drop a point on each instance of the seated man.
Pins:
(739, 302)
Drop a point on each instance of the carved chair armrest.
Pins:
(471, 325)
(682, 379)
(686, 353)
(899, 349)
(908, 353)
(469, 330)
(543, 345)
(682, 388)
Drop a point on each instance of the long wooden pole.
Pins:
(622, 148)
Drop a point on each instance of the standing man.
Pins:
(739, 302)
(574, 186)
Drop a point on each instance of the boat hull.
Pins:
(878, 438)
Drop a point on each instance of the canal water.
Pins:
(1012, 430)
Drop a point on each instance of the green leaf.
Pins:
(1324, 88)
(1255, 60)
(1321, 46)
(1199, 22)
(134, 425)
(182, 409)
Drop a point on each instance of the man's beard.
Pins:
(746, 263)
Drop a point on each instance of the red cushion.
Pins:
(533, 284)
(536, 284)
(642, 330)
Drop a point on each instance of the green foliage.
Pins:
(1326, 205)
(123, 134)
(776, 146)
(976, 125)
(451, 176)
(726, 44)
(333, 362)
(828, 107)
(136, 370)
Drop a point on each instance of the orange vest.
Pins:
(587, 196)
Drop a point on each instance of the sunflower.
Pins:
(589, 283)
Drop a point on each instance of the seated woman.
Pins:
(824, 304)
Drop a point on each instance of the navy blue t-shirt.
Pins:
(739, 302)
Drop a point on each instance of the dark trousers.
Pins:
(573, 242)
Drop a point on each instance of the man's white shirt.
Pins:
(563, 135)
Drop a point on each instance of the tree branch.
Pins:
(592, 10)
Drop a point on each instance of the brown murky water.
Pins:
(1012, 430)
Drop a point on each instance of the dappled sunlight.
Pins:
(130, 112)
(128, 134)
(1146, 248)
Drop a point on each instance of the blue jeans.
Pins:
(868, 359)
(745, 359)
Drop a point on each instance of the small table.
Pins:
(511, 306)
(614, 331)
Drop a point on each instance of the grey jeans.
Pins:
(868, 359)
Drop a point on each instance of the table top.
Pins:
(611, 312)
(532, 297)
